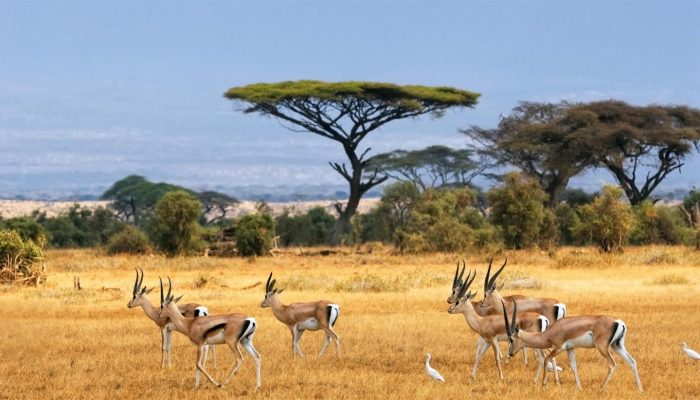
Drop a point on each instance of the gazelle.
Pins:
(300, 317)
(600, 331)
(189, 310)
(490, 327)
(553, 309)
(456, 285)
(232, 329)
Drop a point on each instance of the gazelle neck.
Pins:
(538, 340)
(151, 311)
(180, 323)
(473, 319)
(277, 307)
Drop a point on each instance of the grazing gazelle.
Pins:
(490, 327)
(553, 309)
(456, 285)
(232, 329)
(166, 327)
(300, 317)
(588, 331)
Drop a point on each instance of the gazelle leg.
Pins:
(572, 363)
(201, 354)
(248, 345)
(297, 338)
(163, 348)
(239, 361)
(525, 355)
(213, 355)
(478, 357)
(479, 343)
(494, 343)
(336, 339)
(540, 363)
(604, 349)
(168, 338)
(325, 344)
(631, 362)
(556, 371)
(553, 353)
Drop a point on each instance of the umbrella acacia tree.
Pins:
(346, 112)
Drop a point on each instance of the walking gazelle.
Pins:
(189, 310)
(300, 317)
(232, 329)
(588, 331)
(490, 327)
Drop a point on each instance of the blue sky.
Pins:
(91, 92)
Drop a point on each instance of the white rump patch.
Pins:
(544, 323)
(561, 311)
(335, 312)
(201, 311)
(619, 332)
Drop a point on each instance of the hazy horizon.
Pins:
(93, 92)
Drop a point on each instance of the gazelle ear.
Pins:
(280, 291)
(149, 290)
(143, 290)
(178, 299)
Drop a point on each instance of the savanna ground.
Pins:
(57, 342)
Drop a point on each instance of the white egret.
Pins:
(690, 352)
(431, 371)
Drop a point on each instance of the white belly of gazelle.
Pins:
(585, 340)
(310, 324)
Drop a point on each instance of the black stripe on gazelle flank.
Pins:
(214, 328)
(330, 311)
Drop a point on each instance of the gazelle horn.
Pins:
(454, 280)
(136, 281)
(492, 283)
(267, 285)
(488, 273)
(170, 289)
(161, 290)
(505, 318)
(141, 280)
(513, 325)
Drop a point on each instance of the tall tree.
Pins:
(541, 140)
(346, 112)
(430, 167)
(135, 197)
(639, 145)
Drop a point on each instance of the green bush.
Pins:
(517, 208)
(174, 228)
(608, 220)
(310, 229)
(17, 252)
(27, 228)
(660, 225)
(130, 240)
(254, 234)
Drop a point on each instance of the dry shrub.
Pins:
(670, 279)
(580, 258)
(203, 280)
(371, 283)
(519, 279)
(659, 257)
(303, 282)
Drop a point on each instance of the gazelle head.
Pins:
(270, 291)
(456, 283)
(464, 296)
(167, 302)
(139, 292)
(490, 285)
(512, 330)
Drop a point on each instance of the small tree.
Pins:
(608, 220)
(254, 234)
(517, 207)
(174, 228)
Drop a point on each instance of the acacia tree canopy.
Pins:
(541, 140)
(431, 167)
(347, 112)
(639, 145)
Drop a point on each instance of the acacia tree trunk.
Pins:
(342, 224)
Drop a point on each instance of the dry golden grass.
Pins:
(56, 342)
